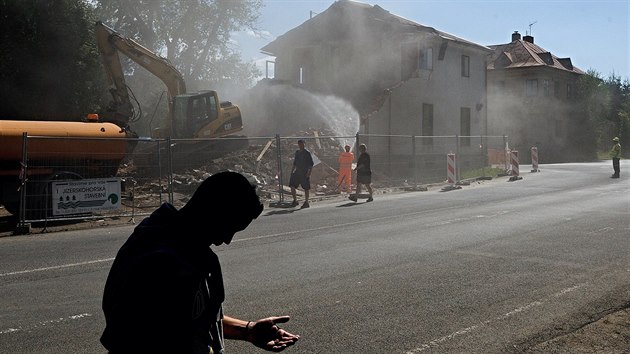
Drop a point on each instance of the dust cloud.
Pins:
(270, 109)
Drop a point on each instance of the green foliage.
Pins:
(605, 107)
(49, 64)
(194, 35)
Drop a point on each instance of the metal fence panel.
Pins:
(153, 171)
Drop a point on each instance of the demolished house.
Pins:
(402, 77)
(531, 97)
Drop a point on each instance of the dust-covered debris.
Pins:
(259, 162)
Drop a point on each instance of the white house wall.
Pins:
(444, 88)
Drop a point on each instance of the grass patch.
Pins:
(603, 155)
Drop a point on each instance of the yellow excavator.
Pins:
(190, 115)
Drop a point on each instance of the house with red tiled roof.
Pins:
(531, 99)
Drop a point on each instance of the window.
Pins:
(465, 66)
(556, 89)
(425, 59)
(427, 123)
(464, 125)
(531, 89)
(569, 91)
(546, 90)
(202, 110)
(414, 58)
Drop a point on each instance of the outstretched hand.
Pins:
(266, 334)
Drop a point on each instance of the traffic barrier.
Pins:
(535, 159)
(450, 168)
(514, 163)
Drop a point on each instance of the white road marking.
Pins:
(327, 227)
(436, 342)
(600, 231)
(446, 222)
(45, 323)
(56, 267)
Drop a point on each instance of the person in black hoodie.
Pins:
(164, 292)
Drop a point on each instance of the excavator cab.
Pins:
(201, 115)
(193, 113)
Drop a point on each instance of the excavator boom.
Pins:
(190, 115)
(109, 44)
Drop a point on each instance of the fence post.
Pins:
(506, 154)
(483, 157)
(23, 227)
(535, 159)
(280, 181)
(415, 162)
(169, 165)
(457, 154)
(159, 163)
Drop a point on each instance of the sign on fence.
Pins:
(86, 195)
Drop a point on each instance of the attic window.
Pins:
(566, 62)
(503, 60)
(546, 57)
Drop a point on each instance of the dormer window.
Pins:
(546, 57)
(566, 62)
(504, 60)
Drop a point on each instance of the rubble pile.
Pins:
(259, 162)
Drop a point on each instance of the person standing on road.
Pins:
(615, 154)
(301, 173)
(164, 292)
(344, 181)
(364, 173)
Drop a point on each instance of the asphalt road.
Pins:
(492, 268)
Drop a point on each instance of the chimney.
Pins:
(529, 39)
(516, 36)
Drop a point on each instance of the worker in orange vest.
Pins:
(344, 181)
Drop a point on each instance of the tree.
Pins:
(49, 65)
(619, 108)
(604, 111)
(192, 34)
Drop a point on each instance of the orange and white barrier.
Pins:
(535, 159)
(514, 163)
(450, 169)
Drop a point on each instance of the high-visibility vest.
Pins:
(345, 160)
(615, 152)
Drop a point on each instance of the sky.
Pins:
(593, 33)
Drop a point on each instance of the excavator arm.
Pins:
(109, 44)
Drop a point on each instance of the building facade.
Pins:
(531, 98)
(404, 78)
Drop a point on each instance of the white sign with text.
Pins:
(85, 195)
